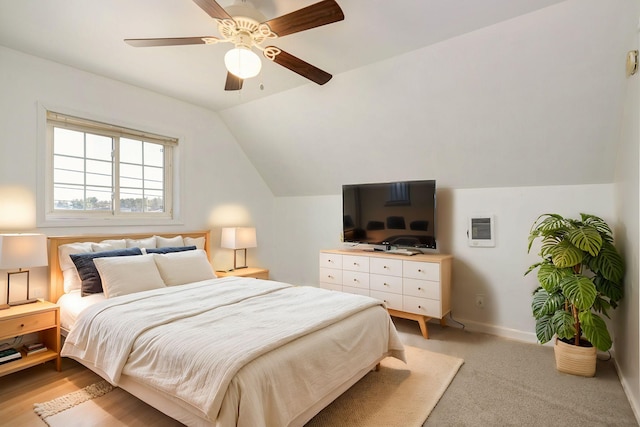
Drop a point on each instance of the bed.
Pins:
(218, 351)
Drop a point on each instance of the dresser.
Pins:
(414, 287)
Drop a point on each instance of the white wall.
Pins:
(310, 224)
(627, 349)
(220, 186)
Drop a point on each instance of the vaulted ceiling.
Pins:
(474, 94)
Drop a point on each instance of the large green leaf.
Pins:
(587, 239)
(599, 224)
(564, 254)
(609, 263)
(564, 324)
(544, 303)
(544, 329)
(595, 330)
(579, 290)
(549, 223)
(612, 290)
(549, 276)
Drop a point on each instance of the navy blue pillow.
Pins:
(91, 283)
(169, 249)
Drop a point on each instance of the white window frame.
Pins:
(49, 217)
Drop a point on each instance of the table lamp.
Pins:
(18, 251)
(238, 238)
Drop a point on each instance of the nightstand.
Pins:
(257, 273)
(41, 317)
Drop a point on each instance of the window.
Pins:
(97, 170)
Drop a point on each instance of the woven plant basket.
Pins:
(575, 360)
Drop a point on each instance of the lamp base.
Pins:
(23, 302)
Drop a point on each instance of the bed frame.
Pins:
(56, 282)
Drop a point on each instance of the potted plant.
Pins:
(580, 277)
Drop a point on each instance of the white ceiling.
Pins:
(89, 35)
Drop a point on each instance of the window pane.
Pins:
(130, 151)
(153, 178)
(61, 176)
(99, 167)
(68, 163)
(99, 147)
(131, 171)
(98, 199)
(69, 142)
(130, 201)
(68, 197)
(153, 154)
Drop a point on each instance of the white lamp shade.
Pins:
(23, 251)
(242, 62)
(238, 238)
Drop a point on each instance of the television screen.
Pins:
(401, 214)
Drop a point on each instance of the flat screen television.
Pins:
(398, 214)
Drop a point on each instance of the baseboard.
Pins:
(500, 331)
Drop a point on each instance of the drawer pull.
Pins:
(355, 280)
(419, 270)
(419, 288)
(420, 307)
(385, 267)
(330, 276)
(385, 284)
(355, 263)
(22, 325)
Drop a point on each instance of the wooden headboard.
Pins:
(56, 281)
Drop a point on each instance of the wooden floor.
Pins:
(19, 391)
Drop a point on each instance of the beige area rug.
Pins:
(396, 395)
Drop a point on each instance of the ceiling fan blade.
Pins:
(316, 15)
(213, 9)
(233, 82)
(301, 67)
(178, 41)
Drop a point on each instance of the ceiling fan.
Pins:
(245, 27)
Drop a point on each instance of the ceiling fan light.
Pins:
(242, 62)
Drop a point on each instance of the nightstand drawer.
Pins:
(27, 324)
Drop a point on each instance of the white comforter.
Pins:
(190, 341)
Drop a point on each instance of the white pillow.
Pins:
(149, 242)
(178, 268)
(163, 242)
(109, 245)
(69, 273)
(198, 242)
(126, 275)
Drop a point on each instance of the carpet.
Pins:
(395, 395)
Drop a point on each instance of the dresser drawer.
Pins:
(386, 266)
(355, 263)
(355, 279)
(382, 283)
(27, 324)
(421, 270)
(424, 306)
(330, 260)
(330, 275)
(393, 301)
(421, 288)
